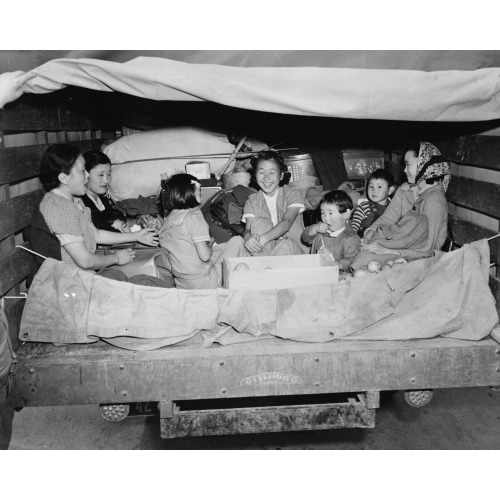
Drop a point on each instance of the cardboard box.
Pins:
(279, 272)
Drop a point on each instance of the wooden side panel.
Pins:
(480, 196)
(68, 109)
(24, 162)
(16, 213)
(495, 290)
(114, 376)
(466, 232)
(14, 311)
(478, 150)
(14, 268)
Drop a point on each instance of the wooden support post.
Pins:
(166, 408)
(372, 399)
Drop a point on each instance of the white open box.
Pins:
(286, 271)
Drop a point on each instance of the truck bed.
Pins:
(49, 375)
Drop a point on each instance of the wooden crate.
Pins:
(285, 271)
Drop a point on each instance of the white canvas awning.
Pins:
(384, 94)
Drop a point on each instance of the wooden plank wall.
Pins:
(25, 132)
(474, 194)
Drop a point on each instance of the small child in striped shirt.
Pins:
(378, 195)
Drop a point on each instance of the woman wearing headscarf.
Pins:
(428, 176)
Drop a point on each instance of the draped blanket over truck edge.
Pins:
(445, 295)
(385, 94)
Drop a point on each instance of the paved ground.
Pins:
(455, 419)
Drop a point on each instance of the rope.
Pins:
(31, 251)
(247, 154)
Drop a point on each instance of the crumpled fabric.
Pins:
(444, 295)
(383, 94)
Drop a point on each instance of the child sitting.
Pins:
(378, 192)
(333, 235)
(273, 215)
(196, 261)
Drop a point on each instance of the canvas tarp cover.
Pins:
(388, 94)
(446, 295)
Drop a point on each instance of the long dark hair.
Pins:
(57, 159)
(179, 193)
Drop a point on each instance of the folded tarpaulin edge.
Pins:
(386, 94)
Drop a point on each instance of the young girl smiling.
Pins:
(273, 215)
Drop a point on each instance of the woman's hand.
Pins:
(378, 249)
(253, 244)
(125, 256)
(148, 236)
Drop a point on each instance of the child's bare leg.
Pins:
(286, 246)
(233, 248)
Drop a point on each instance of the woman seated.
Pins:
(415, 222)
(64, 177)
(104, 216)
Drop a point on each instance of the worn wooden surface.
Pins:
(13, 311)
(20, 163)
(89, 374)
(479, 150)
(14, 268)
(478, 195)
(267, 419)
(67, 109)
(16, 213)
(467, 232)
(495, 290)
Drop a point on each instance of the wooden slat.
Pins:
(467, 232)
(478, 195)
(14, 268)
(13, 311)
(23, 162)
(495, 290)
(478, 150)
(68, 109)
(15, 214)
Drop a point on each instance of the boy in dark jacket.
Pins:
(333, 236)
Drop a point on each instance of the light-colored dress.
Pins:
(180, 231)
(256, 208)
(70, 221)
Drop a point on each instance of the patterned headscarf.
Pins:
(432, 164)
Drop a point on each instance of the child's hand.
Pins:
(321, 227)
(211, 242)
(148, 236)
(125, 256)
(253, 244)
